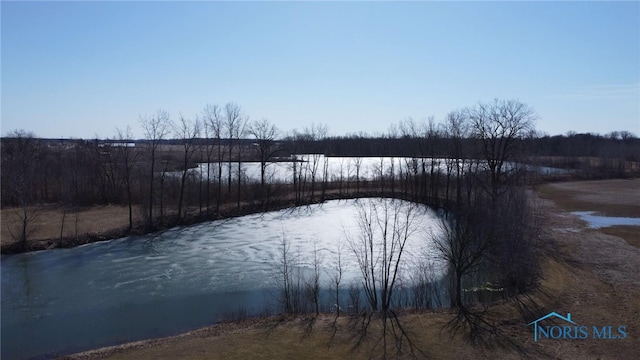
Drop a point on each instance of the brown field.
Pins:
(591, 274)
(618, 197)
(48, 222)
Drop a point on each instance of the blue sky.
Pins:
(81, 69)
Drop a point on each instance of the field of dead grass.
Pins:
(616, 197)
(591, 274)
(48, 222)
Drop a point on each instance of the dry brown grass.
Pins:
(272, 339)
(617, 197)
(48, 221)
(630, 233)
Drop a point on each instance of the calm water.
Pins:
(342, 168)
(60, 301)
(598, 221)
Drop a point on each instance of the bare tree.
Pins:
(187, 131)
(206, 154)
(325, 176)
(457, 129)
(463, 248)
(358, 166)
(129, 155)
(285, 272)
(241, 132)
(236, 127)
(431, 136)
(23, 152)
(289, 273)
(265, 135)
(341, 170)
(295, 171)
(498, 125)
(336, 272)
(213, 121)
(317, 132)
(379, 169)
(312, 284)
(155, 127)
(232, 123)
(385, 227)
(354, 298)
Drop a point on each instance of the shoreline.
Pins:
(228, 211)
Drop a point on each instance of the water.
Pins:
(597, 221)
(61, 301)
(365, 168)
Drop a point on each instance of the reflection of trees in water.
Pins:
(24, 266)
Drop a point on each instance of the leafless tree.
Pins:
(354, 298)
(295, 171)
(316, 132)
(129, 155)
(385, 227)
(312, 285)
(357, 163)
(457, 129)
(187, 131)
(514, 256)
(155, 127)
(242, 131)
(341, 170)
(498, 125)
(336, 272)
(379, 169)
(214, 122)
(23, 152)
(325, 176)
(206, 149)
(163, 178)
(265, 134)
(431, 134)
(463, 247)
(233, 124)
(236, 127)
(285, 273)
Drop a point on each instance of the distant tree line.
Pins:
(153, 176)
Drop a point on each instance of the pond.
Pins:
(61, 301)
(598, 221)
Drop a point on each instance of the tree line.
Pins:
(153, 176)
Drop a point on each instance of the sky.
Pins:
(83, 69)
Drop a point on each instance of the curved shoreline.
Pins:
(228, 211)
